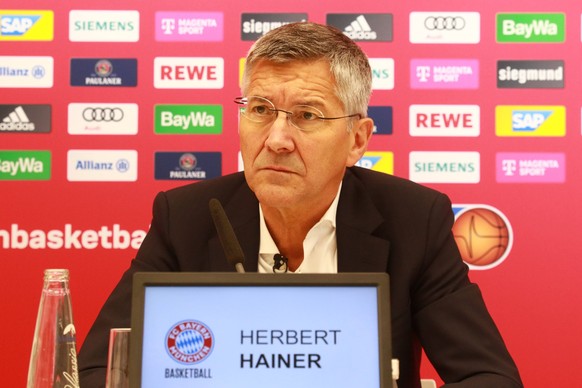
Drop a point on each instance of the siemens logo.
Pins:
(444, 167)
(382, 73)
(530, 74)
(103, 26)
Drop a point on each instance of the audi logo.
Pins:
(444, 23)
(103, 114)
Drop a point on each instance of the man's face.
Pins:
(287, 167)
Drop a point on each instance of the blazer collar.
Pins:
(359, 250)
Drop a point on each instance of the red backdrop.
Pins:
(531, 294)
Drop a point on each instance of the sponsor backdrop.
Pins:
(103, 106)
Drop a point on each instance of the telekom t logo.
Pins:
(423, 73)
(509, 166)
(168, 25)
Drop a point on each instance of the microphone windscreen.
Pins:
(230, 244)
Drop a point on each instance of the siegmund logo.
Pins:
(364, 27)
(530, 74)
(255, 25)
(25, 118)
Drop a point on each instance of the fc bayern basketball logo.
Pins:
(189, 342)
(483, 235)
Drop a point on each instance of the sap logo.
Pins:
(368, 162)
(528, 120)
(526, 30)
(183, 73)
(17, 25)
(196, 119)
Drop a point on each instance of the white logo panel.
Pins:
(445, 27)
(26, 72)
(444, 167)
(102, 165)
(99, 118)
(444, 120)
(188, 73)
(103, 26)
(382, 73)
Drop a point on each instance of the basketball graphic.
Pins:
(483, 235)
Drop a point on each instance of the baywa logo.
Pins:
(188, 119)
(483, 234)
(25, 165)
(189, 342)
(69, 237)
(25, 118)
(364, 27)
(531, 27)
(26, 25)
(530, 74)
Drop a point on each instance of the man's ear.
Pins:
(361, 133)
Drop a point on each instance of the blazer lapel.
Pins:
(359, 250)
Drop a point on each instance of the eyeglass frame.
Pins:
(243, 101)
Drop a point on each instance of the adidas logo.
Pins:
(17, 120)
(360, 29)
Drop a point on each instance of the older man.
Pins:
(303, 126)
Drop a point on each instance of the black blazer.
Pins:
(384, 224)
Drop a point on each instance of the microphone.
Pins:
(230, 245)
(280, 261)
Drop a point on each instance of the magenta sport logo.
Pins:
(444, 74)
(190, 26)
(528, 167)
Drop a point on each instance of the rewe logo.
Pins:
(188, 73)
(444, 120)
(188, 119)
(531, 27)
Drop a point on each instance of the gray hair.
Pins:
(306, 41)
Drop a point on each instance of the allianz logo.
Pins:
(194, 119)
(22, 164)
(360, 29)
(536, 27)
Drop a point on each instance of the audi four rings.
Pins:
(444, 23)
(103, 114)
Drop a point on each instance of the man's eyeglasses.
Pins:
(303, 117)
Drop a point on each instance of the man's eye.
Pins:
(307, 116)
(260, 110)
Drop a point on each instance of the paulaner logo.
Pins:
(187, 165)
(530, 74)
(103, 72)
